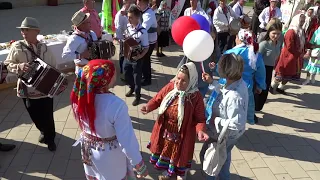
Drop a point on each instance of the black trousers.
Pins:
(255, 23)
(231, 42)
(133, 75)
(121, 58)
(146, 66)
(41, 113)
(260, 99)
(222, 40)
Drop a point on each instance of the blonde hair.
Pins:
(230, 66)
(272, 22)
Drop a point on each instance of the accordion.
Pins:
(101, 49)
(131, 48)
(44, 78)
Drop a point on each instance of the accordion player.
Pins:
(102, 49)
(131, 47)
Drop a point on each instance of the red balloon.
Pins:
(182, 27)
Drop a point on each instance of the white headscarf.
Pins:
(192, 87)
(294, 25)
(248, 39)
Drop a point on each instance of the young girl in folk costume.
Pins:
(109, 147)
(290, 61)
(163, 23)
(181, 118)
(313, 66)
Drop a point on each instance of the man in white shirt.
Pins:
(196, 9)
(76, 48)
(238, 10)
(269, 12)
(121, 22)
(133, 67)
(221, 21)
(149, 22)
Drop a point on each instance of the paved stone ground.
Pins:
(284, 145)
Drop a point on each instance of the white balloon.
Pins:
(198, 45)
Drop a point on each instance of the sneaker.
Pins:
(136, 101)
(163, 55)
(129, 93)
(52, 146)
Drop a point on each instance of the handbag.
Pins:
(216, 154)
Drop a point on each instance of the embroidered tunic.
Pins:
(113, 159)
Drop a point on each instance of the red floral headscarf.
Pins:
(92, 79)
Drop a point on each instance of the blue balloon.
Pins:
(202, 21)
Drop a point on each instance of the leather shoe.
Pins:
(7, 147)
(146, 83)
(52, 146)
(130, 93)
(136, 101)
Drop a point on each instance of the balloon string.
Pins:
(202, 67)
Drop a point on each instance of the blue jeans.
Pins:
(225, 170)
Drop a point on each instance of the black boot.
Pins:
(136, 101)
(52, 146)
(129, 93)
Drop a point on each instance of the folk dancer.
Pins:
(94, 18)
(38, 105)
(109, 147)
(258, 7)
(181, 118)
(238, 10)
(121, 22)
(149, 22)
(76, 48)
(163, 26)
(269, 12)
(133, 67)
(290, 62)
(221, 21)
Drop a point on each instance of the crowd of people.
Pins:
(244, 63)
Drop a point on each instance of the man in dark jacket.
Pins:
(258, 7)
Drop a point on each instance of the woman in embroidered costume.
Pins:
(181, 117)
(290, 61)
(109, 146)
(254, 73)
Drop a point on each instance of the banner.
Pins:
(289, 9)
(109, 11)
(176, 10)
